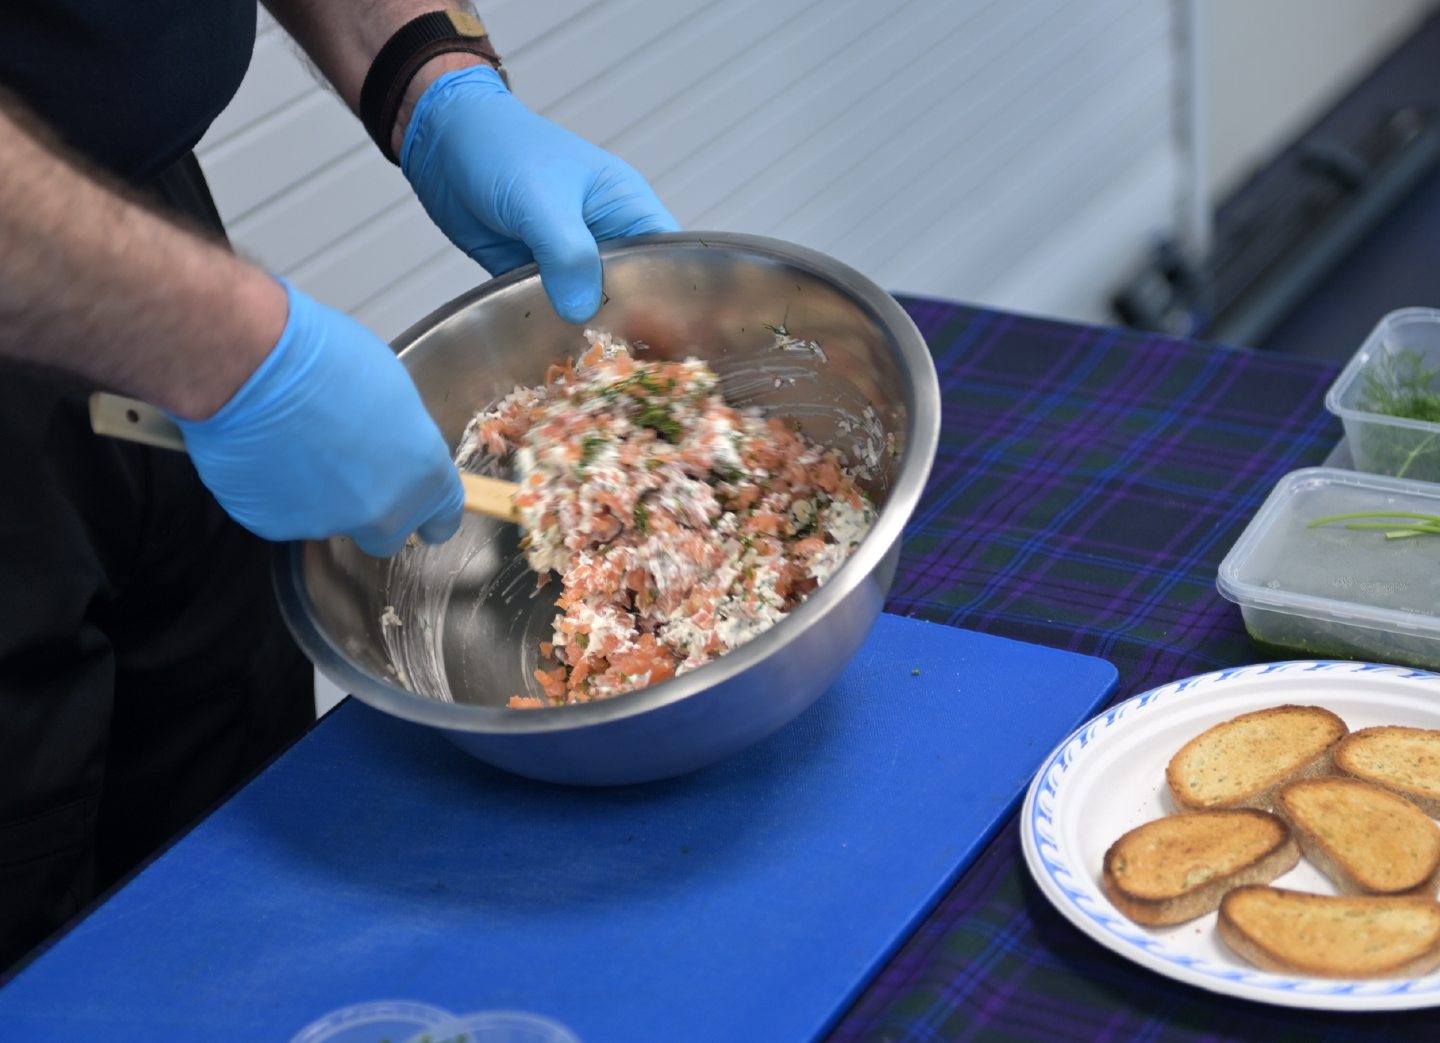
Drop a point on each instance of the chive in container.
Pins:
(1340, 564)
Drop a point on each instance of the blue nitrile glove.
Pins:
(329, 437)
(508, 186)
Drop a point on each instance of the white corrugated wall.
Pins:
(1020, 153)
(1017, 153)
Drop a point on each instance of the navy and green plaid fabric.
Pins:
(1088, 483)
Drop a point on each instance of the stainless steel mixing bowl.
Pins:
(444, 635)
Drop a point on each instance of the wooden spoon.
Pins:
(119, 417)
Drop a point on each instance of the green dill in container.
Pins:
(1341, 564)
(1388, 397)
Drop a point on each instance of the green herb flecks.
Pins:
(660, 420)
(640, 385)
(806, 515)
(642, 517)
(589, 448)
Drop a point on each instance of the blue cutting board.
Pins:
(750, 901)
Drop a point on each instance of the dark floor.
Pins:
(1395, 265)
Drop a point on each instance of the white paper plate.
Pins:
(1109, 777)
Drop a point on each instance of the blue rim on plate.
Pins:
(1366, 690)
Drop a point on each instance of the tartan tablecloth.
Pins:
(1088, 483)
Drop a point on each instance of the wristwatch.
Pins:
(414, 44)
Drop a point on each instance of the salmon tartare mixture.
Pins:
(680, 526)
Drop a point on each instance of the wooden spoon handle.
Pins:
(492, 497)
(119, 417)
(116, 416)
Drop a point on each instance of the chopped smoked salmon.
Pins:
(680, 526)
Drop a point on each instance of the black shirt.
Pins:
(133, 84)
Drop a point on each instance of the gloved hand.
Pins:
(508, 186)
(329, 437)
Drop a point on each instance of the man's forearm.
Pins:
(342, 38)
(97, 284)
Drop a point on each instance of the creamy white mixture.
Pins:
(680, 526)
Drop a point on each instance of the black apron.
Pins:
(131, 84)
(144, 668)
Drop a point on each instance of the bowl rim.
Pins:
(922, 433)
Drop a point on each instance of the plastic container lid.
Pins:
(1401, 356)
(1331, 572)
(1414, 330)
(382, 1021)
(498, 1026)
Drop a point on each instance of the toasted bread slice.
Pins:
(1179, 867)
(1243, 762)
(1367, 840)
(1403, 760)
(1332, 936)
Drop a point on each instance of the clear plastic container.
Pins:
(381, 1021)
(1379, 442)
(498, 1026)
(1335, 593)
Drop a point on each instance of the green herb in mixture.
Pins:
(660, 420)
(642, 517)
(589, 447)
(807, 518)
(640, 386)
